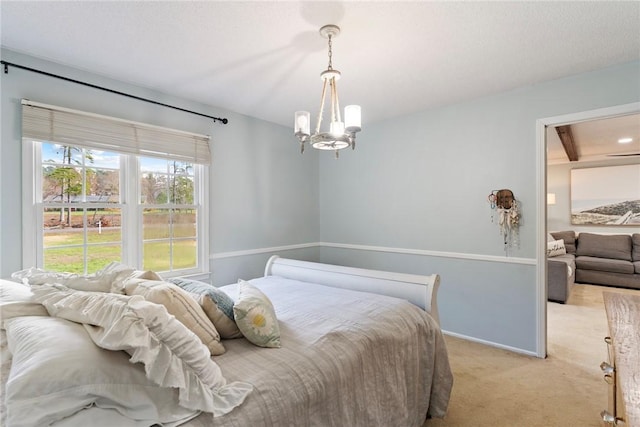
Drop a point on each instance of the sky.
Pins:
(101, 159)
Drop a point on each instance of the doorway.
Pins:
(541, 215)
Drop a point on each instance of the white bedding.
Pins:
(347, 358)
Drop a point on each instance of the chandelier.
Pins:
(341, 134)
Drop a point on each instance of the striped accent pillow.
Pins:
(217, 305)
(179, 303)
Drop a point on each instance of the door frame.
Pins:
(541, 215)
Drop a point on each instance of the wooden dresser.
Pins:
(622, 371)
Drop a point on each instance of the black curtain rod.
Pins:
(6, 71)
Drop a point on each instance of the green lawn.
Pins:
(156, 254)
(71, 259)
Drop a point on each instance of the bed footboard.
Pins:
(417, 289)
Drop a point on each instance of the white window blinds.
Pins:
(72, 127)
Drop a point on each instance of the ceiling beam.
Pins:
(566, 137)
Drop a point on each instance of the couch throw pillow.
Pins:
(556, 248)
(569, 238)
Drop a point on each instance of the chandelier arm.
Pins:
(332, 84)
(337, 100)
(320, 114)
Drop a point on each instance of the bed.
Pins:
(355, 347)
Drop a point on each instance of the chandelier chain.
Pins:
(330, 54)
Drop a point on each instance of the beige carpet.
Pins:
(494, 387)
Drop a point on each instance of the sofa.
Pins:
(599, 259)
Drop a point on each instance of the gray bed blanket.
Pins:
(347, 359)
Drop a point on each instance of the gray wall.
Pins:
(559, 182)
(419, 184)
(263, 193)
(411, 198)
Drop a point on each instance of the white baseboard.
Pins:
(491, 343)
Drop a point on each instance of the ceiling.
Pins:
(264, 58)
(598, 140)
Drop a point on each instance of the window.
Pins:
(80, 207)
(85, 207)
(169, 214)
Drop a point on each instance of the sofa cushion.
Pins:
(604, 264)
(635, 253)
(568, 259)
(636, 266)
(616, 246)
(569, 238)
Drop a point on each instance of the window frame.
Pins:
(131, 214)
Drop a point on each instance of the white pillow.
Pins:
(117, 287)
(14, 291)
(15, 300)
(173, 355)
(57, 371)
(100, 281)
(255, 316)
(556, 248)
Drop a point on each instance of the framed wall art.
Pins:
(607, 195)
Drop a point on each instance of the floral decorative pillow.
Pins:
(556, 248)
(256, 317)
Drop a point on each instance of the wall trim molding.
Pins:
(257, 251)
(422, 252)
(490, 343)
(441, 254)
